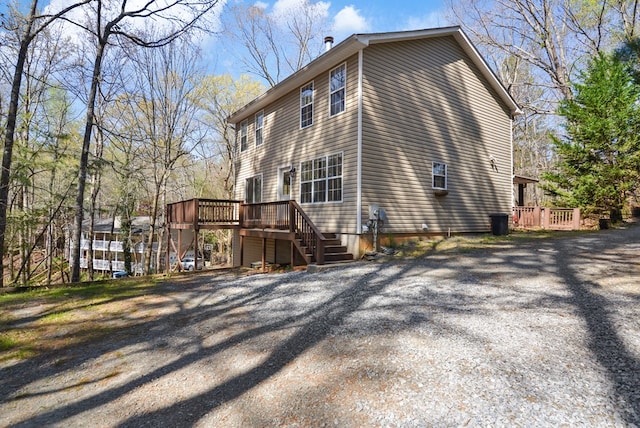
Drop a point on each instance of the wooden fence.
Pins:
(546, 218)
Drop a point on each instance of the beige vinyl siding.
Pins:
(425, 101)
(285, 143)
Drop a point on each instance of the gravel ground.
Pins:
(531, 334)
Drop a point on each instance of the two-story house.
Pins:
(412, 127)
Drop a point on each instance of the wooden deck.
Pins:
(283, 220)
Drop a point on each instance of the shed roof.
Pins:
(352, 45)
(521, 179)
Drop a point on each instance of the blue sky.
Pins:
(387, 15)
(354, 15)
(344, 17)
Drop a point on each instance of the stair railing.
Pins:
(309, 235)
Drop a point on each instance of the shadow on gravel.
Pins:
(312, 324)
(623, 368)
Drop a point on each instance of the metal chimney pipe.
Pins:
(328, 43)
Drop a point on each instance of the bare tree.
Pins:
(27, 28)
(219, 96)
(40, 122)
(117, 20)
(165, 112)
(553, 38)
(278, 43)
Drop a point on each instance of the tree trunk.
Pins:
(148, 252)
(10, 131)
(84, 159)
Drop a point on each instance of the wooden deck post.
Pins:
(576, 219)
(179, 252)
(167, 266)
(264, 255)
(537, 217)
(293, 254)
(320, 252)
(546, 217)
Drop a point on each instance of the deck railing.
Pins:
(266, 215)
(281, 215)
(285, 215)
(309, 235)
(546, 218)
(204, 211)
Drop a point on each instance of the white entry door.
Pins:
(284, 183)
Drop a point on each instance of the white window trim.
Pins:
(326, 201)
(313, 99)
(433, 176)
(261, 128)
(261, 188)
(244, 131)
(342, 87)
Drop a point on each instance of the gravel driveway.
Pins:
(542, 333)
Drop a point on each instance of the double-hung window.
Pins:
(306, 105)
(321, 179)
(259, 123)
(253, 189)
(439, 176)
(337, 85)
(243, 136)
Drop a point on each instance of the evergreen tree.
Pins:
(600, 153)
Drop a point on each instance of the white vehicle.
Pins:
(189, 263)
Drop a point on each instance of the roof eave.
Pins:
(340, 52)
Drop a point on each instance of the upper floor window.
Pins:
(259, 126)
(306, 105)
(253, 189)
(243, 136)
(439, 174)
(337, 85)
(321, 179)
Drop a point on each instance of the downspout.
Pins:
(359, 162)
(513, 200)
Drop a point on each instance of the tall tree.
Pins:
(27, 27)
(218, 97)
(600, 152)
(553, 37)
(165, 112)
(118, 19)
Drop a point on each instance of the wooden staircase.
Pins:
(280, 220)
(334, 251)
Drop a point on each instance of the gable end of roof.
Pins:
(355, 43)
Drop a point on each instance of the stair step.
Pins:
(332, 243)
(338, 257)
(335, 249)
